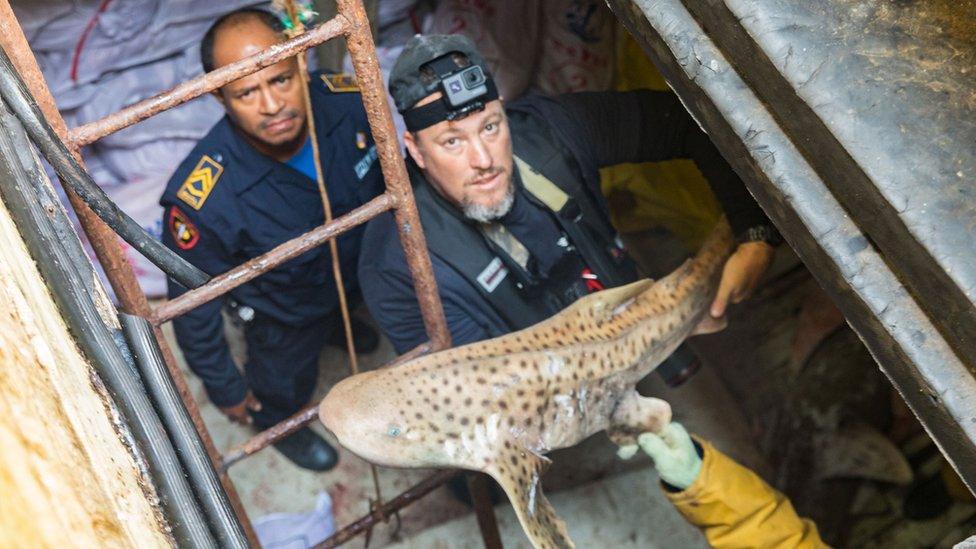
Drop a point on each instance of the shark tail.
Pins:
(700, 275)
(717, 246)
(519, 472)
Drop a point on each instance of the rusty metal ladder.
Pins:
(351, 22)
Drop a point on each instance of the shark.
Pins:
(499, 405)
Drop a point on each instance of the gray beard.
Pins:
(486, 214)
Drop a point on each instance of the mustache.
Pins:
(287, 114)
(485, 174)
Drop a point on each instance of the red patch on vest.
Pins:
(184, 232)
(593, 283)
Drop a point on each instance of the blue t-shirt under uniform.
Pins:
(304, 161)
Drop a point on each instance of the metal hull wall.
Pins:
(855, 133)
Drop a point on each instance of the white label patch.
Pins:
(362, 167)
(492, 276)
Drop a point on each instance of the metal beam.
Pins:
(205, 83)
(352, 22)
(281, 253)
(383, 512)
(897, 329)
(106, 243)
(360, 43)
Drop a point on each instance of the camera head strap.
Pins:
(445, 63)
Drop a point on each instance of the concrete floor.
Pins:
(625, 510)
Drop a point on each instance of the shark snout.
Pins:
(361, 413)
(334, 411)
(351, 408)
(331, 415)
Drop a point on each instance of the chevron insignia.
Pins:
(200, 182)
(339, 83)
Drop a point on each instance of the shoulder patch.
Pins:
(185, 233)
(340, 83)
(197, 186)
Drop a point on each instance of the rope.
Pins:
(296, 15)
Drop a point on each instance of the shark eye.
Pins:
(394, 431)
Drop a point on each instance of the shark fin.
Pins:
(519, 472)
(636, 414)
(709, 325)
(614, 301)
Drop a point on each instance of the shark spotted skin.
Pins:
(498, 406)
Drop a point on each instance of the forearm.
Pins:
(735, 508)
(668, 131)
(741, 210)
(635, 126)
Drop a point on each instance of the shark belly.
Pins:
(579, 411)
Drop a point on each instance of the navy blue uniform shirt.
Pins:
(228, 203)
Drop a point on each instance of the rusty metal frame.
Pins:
(351, 23)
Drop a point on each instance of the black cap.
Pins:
(406, 85)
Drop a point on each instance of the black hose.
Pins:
(69, 275)
(20, 101)
(203, 479)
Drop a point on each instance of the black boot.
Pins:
(363, 336)
(308, 450)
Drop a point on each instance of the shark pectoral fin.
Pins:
(636, 414)
(519, 472)
(709, 325)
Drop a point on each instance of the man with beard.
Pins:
(248, 186)
(509, 198)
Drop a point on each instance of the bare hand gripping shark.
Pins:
(497, 406)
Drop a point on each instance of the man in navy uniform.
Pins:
(248, 186)
(509, 197)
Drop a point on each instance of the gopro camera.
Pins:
(464, 86)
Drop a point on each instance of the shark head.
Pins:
(366, 413)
